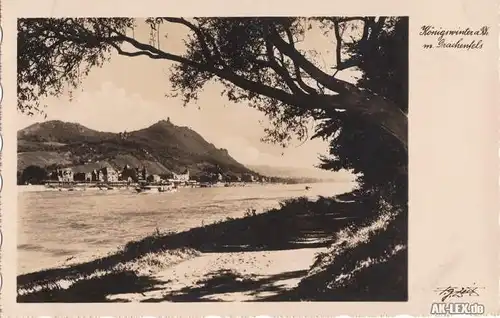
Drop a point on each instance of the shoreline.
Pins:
(111, 187)
(275, 235)
(78, 187)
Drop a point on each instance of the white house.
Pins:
(65, 175)
(181, 177)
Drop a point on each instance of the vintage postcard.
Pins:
(182, 158)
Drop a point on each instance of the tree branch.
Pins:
(350, 98)
(325, 79)
(371, 30)
(298, 74)
(259, 88)
(353, 61)
(199, 34)
(282, 72)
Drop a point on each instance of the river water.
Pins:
(56, 226)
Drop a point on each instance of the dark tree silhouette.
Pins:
(33, 175)
(258, 60)
(362, 146)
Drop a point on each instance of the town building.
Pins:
(248, 178)
(154, 178)
(142, 173)
(93, 172)
(89, 176)
(183, 177)
(65, 175)
(108, 174)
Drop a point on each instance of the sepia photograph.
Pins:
(212, 159)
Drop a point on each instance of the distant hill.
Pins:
(60, 132)
(292, 172)
(162, 148)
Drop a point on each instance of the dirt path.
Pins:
(239, 276)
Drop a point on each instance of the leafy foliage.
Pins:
(50, 64)
(241, 46)
(33, 175)
(362, 146)
(257, 60)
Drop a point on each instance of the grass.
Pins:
(366, 258)
(367, 261)
(136, 272)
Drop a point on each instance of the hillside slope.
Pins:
(60, 132)
(162, 148)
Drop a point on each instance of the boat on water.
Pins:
(60, 187)
(105, 188)
(148, 188)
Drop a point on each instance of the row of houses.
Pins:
(97, 172)
(106, 173)
(75, 174)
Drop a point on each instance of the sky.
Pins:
(127, 94)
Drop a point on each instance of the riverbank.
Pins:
(289, 253)
(55, 186)
(88, 225)
(277, 235)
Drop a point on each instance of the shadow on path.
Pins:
(298, 224)
(95, 289)
(226, 282)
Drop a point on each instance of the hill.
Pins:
(163, 148)
(60, 132)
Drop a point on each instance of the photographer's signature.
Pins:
(457, 292)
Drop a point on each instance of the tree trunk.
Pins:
(381, 111)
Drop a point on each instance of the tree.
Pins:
(364, 147)
(258, 60)
(129, 172)
(33, 175)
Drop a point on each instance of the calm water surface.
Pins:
(56, 226)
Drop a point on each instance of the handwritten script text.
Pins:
(468, 38)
